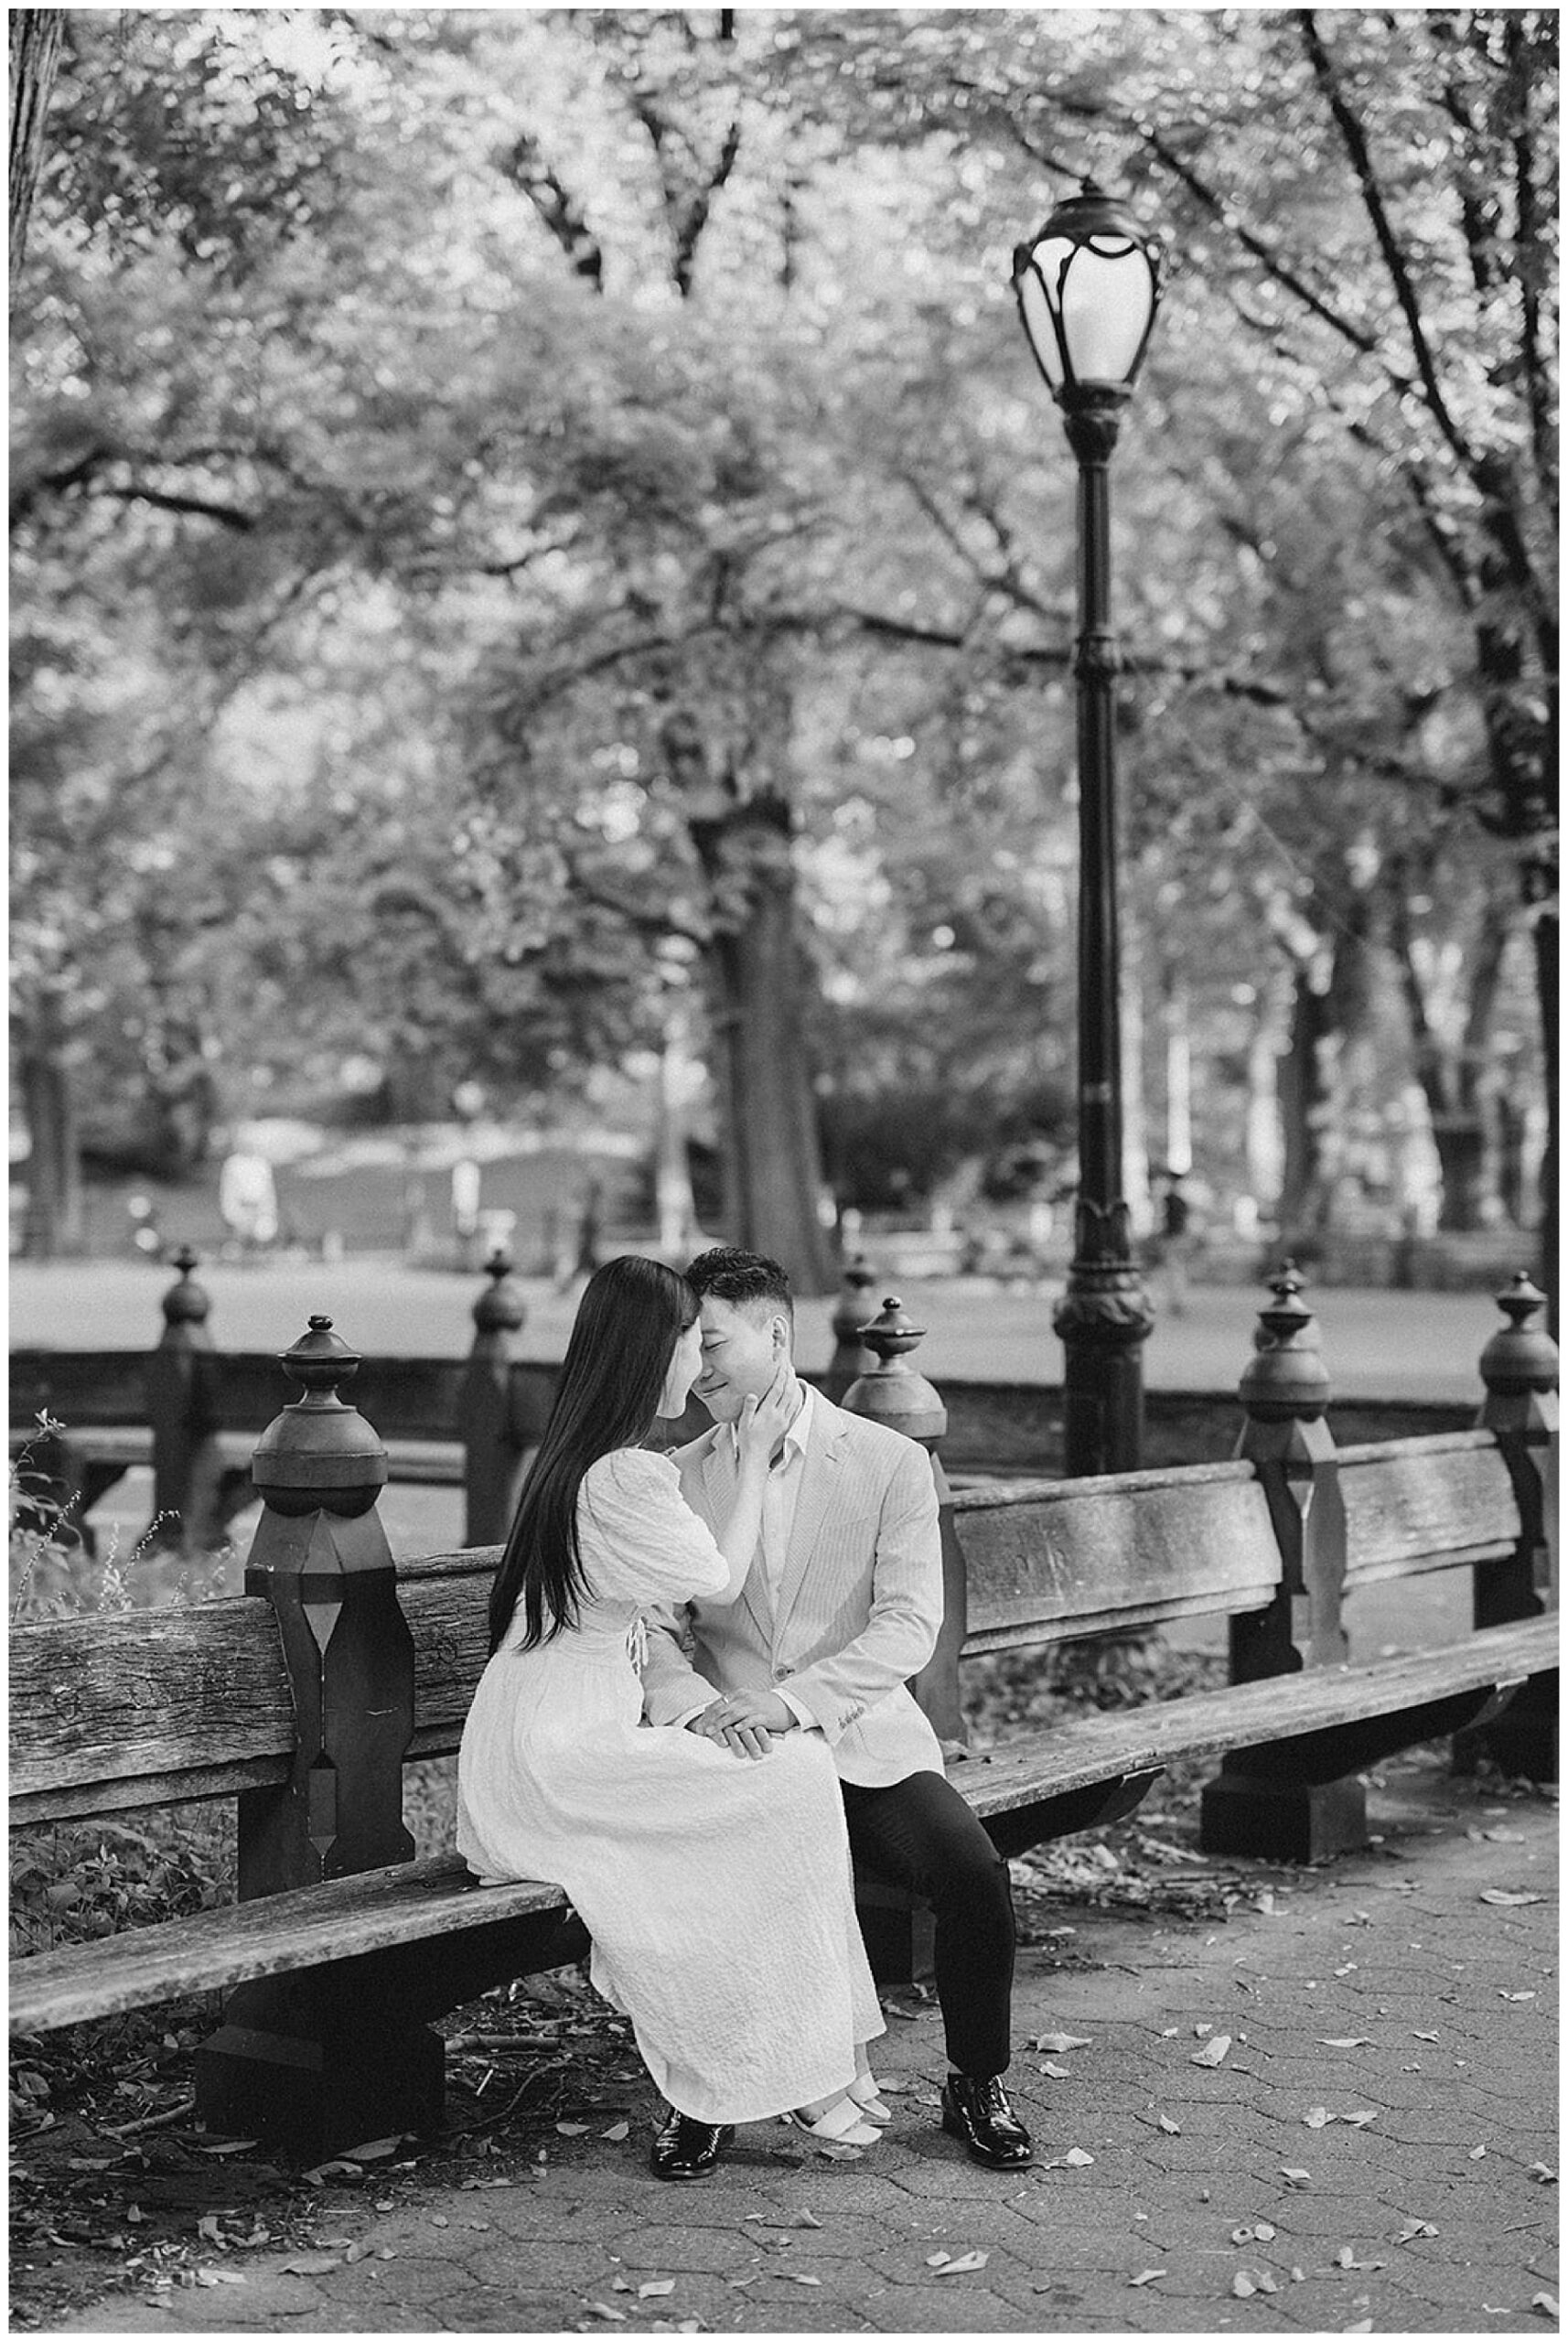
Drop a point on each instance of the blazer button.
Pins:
(782, 1674)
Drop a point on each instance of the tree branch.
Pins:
(1353, 135)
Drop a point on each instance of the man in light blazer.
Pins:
(841, 1605)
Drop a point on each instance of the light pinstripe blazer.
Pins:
(860, 1599)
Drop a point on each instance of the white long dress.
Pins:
(716, 1888)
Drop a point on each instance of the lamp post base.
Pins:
(1104, 1319)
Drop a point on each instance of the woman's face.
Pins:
(682, 1374)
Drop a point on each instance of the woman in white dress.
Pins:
(713, 1879)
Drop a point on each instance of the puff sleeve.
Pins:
(641, 1541)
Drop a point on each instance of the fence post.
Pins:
(497, 1444)
(1285, 1391)
(1519, 1369)
(898, 1926)
(851, 1357)
(183, 1414)
(311, 2061)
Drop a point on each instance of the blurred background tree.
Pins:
(534, 536)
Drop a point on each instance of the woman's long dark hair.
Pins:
(631, 1315)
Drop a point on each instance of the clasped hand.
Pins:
(747, 1722)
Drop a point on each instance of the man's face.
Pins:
(741, 1350)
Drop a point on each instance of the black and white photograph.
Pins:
(785, 1160)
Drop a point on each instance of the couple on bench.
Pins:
(758, 1598)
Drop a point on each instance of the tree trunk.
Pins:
(1453, 1079)
(34, 46)
(1548, 970)
(1304, 1106)
(758, 988)
(773, 1173)
(55, 1223)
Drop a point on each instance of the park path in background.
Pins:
(1333, 2111)
(1376, 1345)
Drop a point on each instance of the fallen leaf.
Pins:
(220, 2277)
(439, 2220)
(1516, 1996)
(936, 2260)
(1545, 2302)
(312, 2264)
(227, 2147)
(1292, 2178)
(1425, 2036)
(1213, 2053)
(572, 2130)
(1241, 2285)
(1360, 2121)
(1200, 2030)
(621, 2285)
(1076, 2157)
(207, 2226)
(807, 2220)
(607, 2309)
(1362, 2326)
(1502, 1895)
(1147, 2276)
(1056, 2073)
(1266, 2283)
(656, 2288)
(834, 2151)
(1057, 2044)
(1361, 2040)
(1542, 2173)
(1413, 2228)
(796, 2277)
(965, 2263)
(618, 2130)
(336, 2168)
(1474, 2155)
(1166, 2124)
(1315, 2117)
(1169, 2032)
(375, 2150)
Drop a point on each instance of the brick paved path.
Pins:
(1382, 1986)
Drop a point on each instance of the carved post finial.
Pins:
(894, 1393)
(1522, 1358)
(501, 1307)
(1287, 1379)
(498, 1425)
(851, 1357)
(185, 1303)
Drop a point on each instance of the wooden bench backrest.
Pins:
(114, 1709)
(1425, 1504)
(117, 1710)
(1049, 1560)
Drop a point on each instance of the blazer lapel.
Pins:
(718, 1489)
(819, 1490)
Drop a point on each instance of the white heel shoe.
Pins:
(840, 2123)
(867, 2095)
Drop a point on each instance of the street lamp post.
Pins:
(1086, 288)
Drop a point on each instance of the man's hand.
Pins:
(745, 1721)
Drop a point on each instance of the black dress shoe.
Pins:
(685, 2150)
(978, 2114)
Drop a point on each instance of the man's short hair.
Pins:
(743, 1279)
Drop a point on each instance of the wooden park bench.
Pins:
(305, 1696)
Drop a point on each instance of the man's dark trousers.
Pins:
(920, 1834)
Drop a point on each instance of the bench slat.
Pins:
(185, 1694)
(214, 1950)
(1053, 1561)
(1208, 1724)
(1415, 1505)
